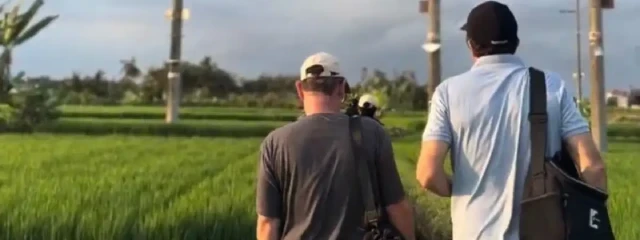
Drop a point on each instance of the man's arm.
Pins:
(435, 144)
(392, 193)
(268, 196)
(585, 154)
(430, 170)
(575, 131)
(268, 228)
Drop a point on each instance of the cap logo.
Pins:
(318, 70)
(499, 42)
(315, 70)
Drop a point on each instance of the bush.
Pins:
(627, 119)
(158, 128)
(199, 116)
(417, 125)
(29, 108)
(623, 131)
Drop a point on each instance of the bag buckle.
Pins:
(371, 217)
(538, 118)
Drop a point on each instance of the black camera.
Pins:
(352, 107)
(364, 106)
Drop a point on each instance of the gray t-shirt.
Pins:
(307, 177)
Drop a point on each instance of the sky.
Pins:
(251, 37)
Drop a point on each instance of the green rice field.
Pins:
(128, 186)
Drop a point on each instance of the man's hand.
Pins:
(430, 170)
(585, 154)
(267, 228)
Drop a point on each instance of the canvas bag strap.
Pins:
(538, 118)
(371, 213)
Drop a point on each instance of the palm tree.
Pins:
(16, 30)
(130, 70)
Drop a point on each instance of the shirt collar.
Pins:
(498, 59)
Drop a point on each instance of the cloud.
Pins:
(252, 37)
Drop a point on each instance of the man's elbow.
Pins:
(597, 168)
(437, 183)
(426, 179)
(594, 161)
(595, 173)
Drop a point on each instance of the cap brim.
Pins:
(464, 27)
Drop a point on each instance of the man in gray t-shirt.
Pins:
(307, 183)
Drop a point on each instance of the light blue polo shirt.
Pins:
(482, 114)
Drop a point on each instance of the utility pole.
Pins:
(578, 75)
(173, 93)
(598, 110)
(432, 46)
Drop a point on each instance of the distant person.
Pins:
(481, 117)
(368, 106)
(307, 186)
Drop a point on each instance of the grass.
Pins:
(241, 110)
(186, 122)
(146, 187)
(160, 109)
(76, 187)
(119, 187)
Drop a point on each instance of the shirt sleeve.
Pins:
(268, 192)
(438, 123)
(391, 189)
(573, 122)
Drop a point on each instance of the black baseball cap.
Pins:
(491, 23)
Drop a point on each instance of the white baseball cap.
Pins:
(329, 64)
(368, 98)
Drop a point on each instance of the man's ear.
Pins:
(340, 92)
(470, 47)
(299, 90)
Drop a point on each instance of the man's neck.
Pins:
(317, 110)
(321, 106)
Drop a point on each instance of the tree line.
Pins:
(205, 83)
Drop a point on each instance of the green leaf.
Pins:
(11, 20)
(5, 26)
(33, 30)
(24, 19)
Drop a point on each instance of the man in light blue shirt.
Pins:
(481, 117)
